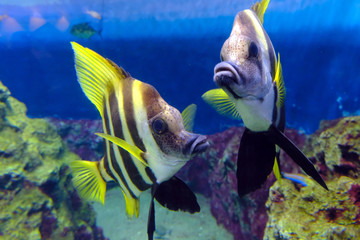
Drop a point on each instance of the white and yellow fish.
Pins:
(145, 139)
(252, 88)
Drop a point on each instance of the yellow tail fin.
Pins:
(88, 181)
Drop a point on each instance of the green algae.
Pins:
(37, 199)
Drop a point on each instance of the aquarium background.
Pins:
(174, 45)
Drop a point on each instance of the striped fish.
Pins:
(252, 88)
(145, 139)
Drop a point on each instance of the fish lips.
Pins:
(227, 74)
(196, 144)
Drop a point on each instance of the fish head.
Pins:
(168, 131)
(172, 145)
(245, 70)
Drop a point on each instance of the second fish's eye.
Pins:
(159, 126)
(253, 50)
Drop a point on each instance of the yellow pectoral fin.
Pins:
(221, 102)
(133, 150)
(276, 170)
(88, 181)
(188, 116)
(260, 8)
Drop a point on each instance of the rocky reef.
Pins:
(37, 199)
(283, 210)
(310, 212)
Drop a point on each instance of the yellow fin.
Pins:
(188, 116)
(260, 8)
(221, 102)
(132, 206)
(276, 170)
(96, 75)
(133, 150)
(280, 85)
(88, 181)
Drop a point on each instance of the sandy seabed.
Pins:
(170, 225)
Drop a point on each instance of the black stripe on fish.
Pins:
(130, 167)
(130, 115)
(107, 146)
(117, 129)
(117, 169)
(150, 174)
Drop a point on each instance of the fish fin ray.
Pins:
(88, 180)
(276, 170)
(255, 161)
(175, 195)
(221, 102)
(277, 137)
(132, 206)
(259, 8)
(95, 74)
(188, 116)
(120, 71)
(133, 150)
(280, 85)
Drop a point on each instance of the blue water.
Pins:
(174, 45)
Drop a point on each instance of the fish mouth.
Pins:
(197, 144)
(227, 74)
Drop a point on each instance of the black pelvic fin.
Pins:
(255, 161)
(175, 195)
(151, 217)
(277, 137)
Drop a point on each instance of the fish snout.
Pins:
(226, 73)
(196, 144)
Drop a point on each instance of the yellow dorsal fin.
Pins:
(88, 181)
(188, 116)
(96, 75)
(276, 170)
(132, 206)
(133, 150)
(260, 8)
(220, 101)
(280, 85)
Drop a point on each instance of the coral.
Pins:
(311, 212)
(36, 194)
(337, 145)
(80, 137)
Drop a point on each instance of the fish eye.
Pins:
(253, 50)
(159, 126)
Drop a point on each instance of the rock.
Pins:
(80, 137)
(313, 213)
(310, 212)
(37, 199)
(337, 146)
